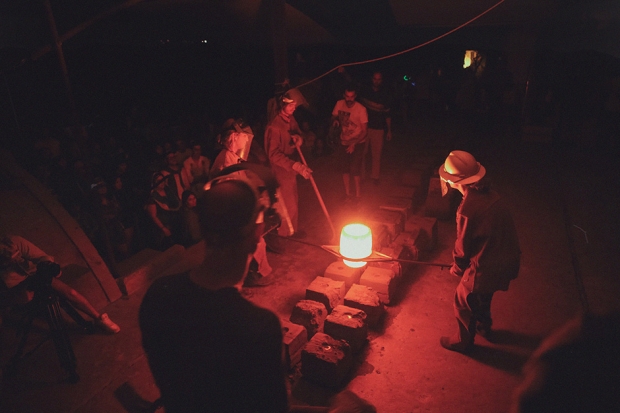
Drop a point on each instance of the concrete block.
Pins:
(349, 324)
(326, 360)
(380, 236)
(405, 249)
(393, 221)
(382, 280)
(424, 232)
(326, 291)
(400, 205)
(366, 299)
(339, 271)
(309, 314)
(436, 205)
(294, 338)
(394, 266)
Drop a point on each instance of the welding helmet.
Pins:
(461, 168)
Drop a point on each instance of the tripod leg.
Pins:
(11, 368)
(62, 343)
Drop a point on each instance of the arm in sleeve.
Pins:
(274, 141)
(462, 247)
(29, 251)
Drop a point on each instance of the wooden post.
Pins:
(77, 130)
(278, 39)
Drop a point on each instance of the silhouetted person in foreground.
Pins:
(209, 349)
(575, 370)
(486, 252)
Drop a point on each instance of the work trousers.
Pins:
(374, 140)
(288, 192)
(260, 255)
(472, 311)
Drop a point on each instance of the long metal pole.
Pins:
(318, 195)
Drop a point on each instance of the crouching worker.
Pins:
(19, 259)
(209, 349)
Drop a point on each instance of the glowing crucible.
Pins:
(355, 243)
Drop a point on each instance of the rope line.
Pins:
(407, 50)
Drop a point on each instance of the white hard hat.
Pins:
(462, 168)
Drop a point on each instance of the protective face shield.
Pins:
(241, 127)
(445, 187)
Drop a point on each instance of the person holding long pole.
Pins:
(282, 135)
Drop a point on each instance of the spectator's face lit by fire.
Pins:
(289, 109)
(349, 98)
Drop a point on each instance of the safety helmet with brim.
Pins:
(460, 168)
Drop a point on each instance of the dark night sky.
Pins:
(111, 58)
(577, 24)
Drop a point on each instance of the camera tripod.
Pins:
(47, 304)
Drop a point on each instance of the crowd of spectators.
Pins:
(130, 187)
(124, 178)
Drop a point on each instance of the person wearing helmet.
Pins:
(486, 252)
(281, 137)
(234, 141)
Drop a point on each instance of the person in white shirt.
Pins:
(352, 119)
(195, 170)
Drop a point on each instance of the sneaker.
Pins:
(256, 279)
(107, 325)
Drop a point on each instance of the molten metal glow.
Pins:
(355, 243)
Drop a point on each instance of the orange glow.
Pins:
(355, 243)
(470, 57)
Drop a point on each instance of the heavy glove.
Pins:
(456, 270)
(302, 170)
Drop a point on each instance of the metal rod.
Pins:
(385, 258)
(318, 194)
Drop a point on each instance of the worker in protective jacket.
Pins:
(282, 135)
(486, 252)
